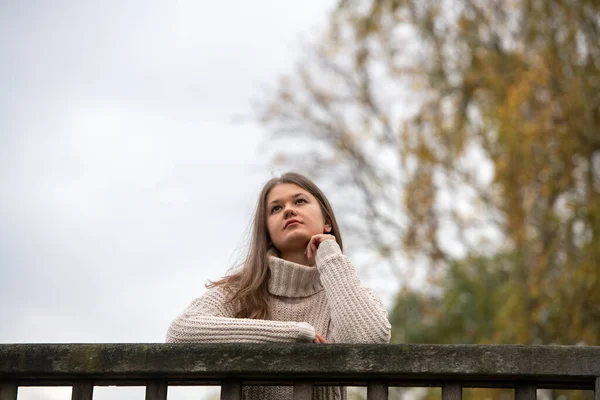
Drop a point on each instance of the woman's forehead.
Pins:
(284, 191)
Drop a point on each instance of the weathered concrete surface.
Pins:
(428, 364)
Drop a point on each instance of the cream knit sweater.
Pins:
(327, 299)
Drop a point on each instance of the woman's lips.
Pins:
(291, 223)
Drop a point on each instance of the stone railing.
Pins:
(233, 365)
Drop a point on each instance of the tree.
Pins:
(465, 131)
(465, 312)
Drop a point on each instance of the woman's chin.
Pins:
(295, 241)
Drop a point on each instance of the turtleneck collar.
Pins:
(289, 279)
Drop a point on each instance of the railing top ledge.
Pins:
(338, 361)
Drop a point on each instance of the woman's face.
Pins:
(293, 217)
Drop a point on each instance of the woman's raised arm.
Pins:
(357, 314)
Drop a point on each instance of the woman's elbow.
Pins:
(374, 334)
(382, 333)
(177, 333)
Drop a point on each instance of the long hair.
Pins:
(248, 288)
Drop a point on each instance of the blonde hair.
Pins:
(248, 288)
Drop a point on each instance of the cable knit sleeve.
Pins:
(210, 319)
(357, 314)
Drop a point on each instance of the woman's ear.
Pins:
(327, 227)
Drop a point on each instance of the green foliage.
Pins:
(463, 312)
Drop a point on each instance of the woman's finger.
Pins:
(314, 242)
(309, 248)
(320, 338)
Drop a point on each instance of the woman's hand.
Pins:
(314, 243)
(319, 339)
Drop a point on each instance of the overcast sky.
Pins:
(126, 177)
(126, 182)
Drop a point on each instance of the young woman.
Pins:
(296, 285)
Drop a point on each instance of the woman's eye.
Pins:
(275, 208)
(300, 200)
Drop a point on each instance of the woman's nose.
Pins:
(289, 211)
